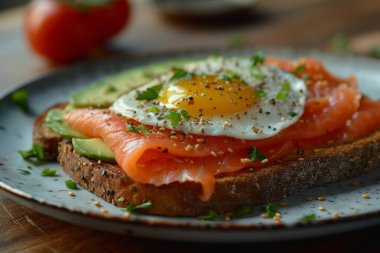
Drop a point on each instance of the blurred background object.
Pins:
(4, 4)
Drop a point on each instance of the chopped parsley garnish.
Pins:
(153, 109)
(255, 155)
(339, 43)
(306, 77)
(48, 172)
(300, 68)
(375, 52)
(283, 93)
(137, 129)
(131, 208)
(236, 41)
(293, 114)
(24, 172)
(111, 89)
(261, 93)
(37, 151)
(150, 93)
(176, 116)
(71, 184)
(211, 216)
(242, 212)
(309, 217)
(229, 75)
(257, 59)
(257, 73)
(20, 98)
(270, 209)
(180, 74)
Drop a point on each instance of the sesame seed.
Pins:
(189, 147)
(336, 214)
(321, 198)
(99, 162)
(220, 153)
(71, 194)
(264, 216)
(245, 160)
(309, 198)
(301, 159)
(127, 214)
(365, 196)
(322, 208)
(96, 203)
(213, 154)
(196, 146)
(174, 137)
(230, 150)
(227, 124)
(265, 160)
(162, 128)
(120, 199)
(200, 140)
(104, 211)
(283, 204)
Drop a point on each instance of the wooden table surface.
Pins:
(286, 23)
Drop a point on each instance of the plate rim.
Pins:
(16, 195)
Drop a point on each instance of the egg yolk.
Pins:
(208, 96)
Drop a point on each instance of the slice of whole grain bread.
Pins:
(232, 190)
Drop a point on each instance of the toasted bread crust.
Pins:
(231, 191)
(45, 136)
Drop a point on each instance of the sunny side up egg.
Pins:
(233, 97)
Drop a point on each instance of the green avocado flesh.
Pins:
(93, 148)
(54, 120)
(103, 93)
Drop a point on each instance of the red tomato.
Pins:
(62, 32)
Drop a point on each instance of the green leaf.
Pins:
(375, 52)
(242, 212)
(24, 172)
(284, 92)
(211, 216)
(309, 217)
(261, 93)
(293, 114)
(300, 68)
(176, 116)
(131, 208)
(137, 129)
(255, 155)
(153, 109)
(48, 172)
(150, 93)
(257, 59)
(270, 209)
(180, 74)
(37, 151)
(111, 89)
(339, 43)
(71, 184)
(236, 41)
(20, 98)
(257, 73)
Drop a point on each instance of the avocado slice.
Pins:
(93, 148)
(54, 120)
(103, 93)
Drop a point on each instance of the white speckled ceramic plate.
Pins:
(48, 195)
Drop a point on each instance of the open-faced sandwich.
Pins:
(214, 134)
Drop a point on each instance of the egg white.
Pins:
(263, 120)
